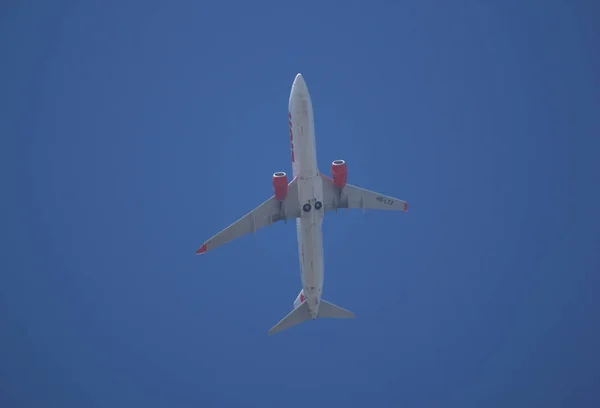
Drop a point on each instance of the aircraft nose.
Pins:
(299, 84)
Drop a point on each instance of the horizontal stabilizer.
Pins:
(301, 314)
(296, 316)
(329, 310)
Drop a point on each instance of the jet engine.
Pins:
(340, 173)
(280, 185)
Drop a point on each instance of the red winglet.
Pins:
(405, 206)
(201, 250)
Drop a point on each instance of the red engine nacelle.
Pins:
(340, 173)
(280, 185)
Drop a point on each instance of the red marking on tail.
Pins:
(202, 249)
(302, 297)
(405, 206)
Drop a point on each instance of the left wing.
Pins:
(265, 214)
(355, 197)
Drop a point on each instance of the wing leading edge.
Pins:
(355, 197)
(267, 213)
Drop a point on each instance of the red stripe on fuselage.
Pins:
(291, 135)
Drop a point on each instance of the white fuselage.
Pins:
(310, 193)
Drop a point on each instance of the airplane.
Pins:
(306, 198)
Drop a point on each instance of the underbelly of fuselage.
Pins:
(310, 240)
(310, 193)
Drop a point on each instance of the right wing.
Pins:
(265, 214)
(355, 197)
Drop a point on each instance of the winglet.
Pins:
(201, 250)
(405, 206)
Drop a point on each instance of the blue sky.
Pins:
(134, 130)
